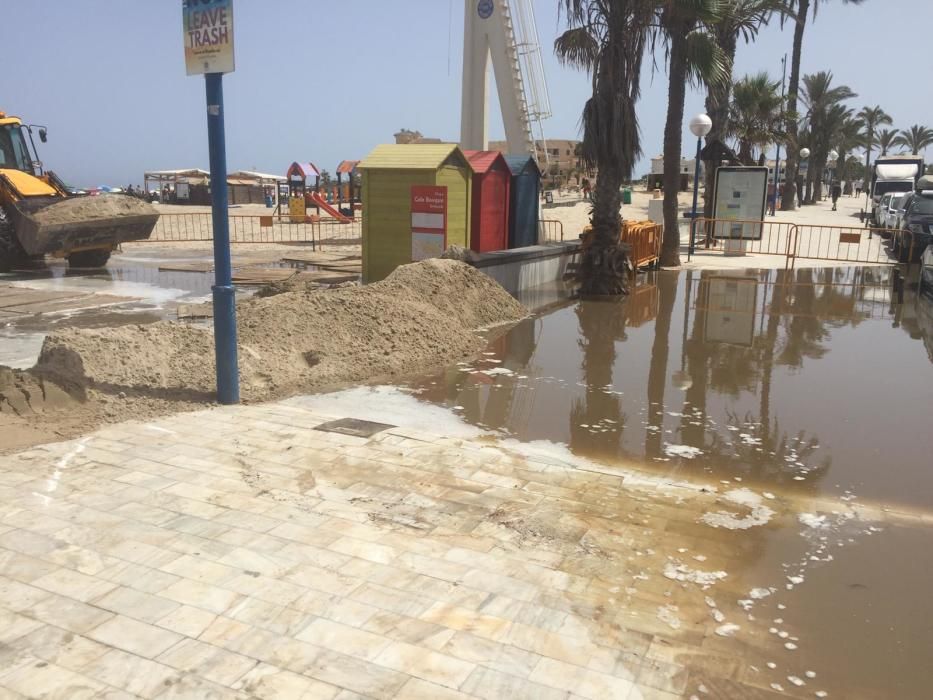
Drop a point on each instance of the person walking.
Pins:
(836, 193)
(858, 188)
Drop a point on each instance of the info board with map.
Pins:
(739, 202)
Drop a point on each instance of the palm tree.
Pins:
(755, 114)
(848, 139)
(916, 139)
(886, 139)
(739, 19)
(608, 40)
(692, 56)
(802, 8)
(825, 117)
(872, 117)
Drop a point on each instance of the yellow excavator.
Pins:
(40, 216)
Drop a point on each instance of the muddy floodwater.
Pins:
(813, 386)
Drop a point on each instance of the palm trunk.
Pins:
(790, 181)
(717, 107)
(673, 144)
(657, 370)
(603, 267)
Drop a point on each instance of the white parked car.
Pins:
(881, 213)
(894, 214)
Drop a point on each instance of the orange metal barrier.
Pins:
(198, 227)
(644, 239)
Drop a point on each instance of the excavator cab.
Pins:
(39, 216)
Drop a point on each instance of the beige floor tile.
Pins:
(207, 661)
(18, 596)
(135, 604)
(484, 652)
(427, 665)
(57, 646)
(344, 639)
(369, 551)
(241, 638)
(51, 681)
(13, 626)
(69, 614)
(583, 682)
(190, 687)
(132, 673)
(466, 620)
(270, 683)
(133, 636)
(367, 679)
(488, 684)
(417, 689)
(200, 595)
(187, 621)
(24, 568)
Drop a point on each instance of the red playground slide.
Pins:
(322, 203)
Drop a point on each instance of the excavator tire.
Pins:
(11, 252)
(89, 258)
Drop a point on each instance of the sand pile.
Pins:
(78, 209)
(424, 315)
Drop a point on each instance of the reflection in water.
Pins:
(707, 371)
(810, 387)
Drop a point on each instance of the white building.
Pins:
(687, 166)
(770, 164)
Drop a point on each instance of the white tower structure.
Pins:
(503, 31)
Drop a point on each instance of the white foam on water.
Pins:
(389, 404)
(685, 451)
(682, 572)
(759, 593)
(496, 371)
(668, 615)
(796, 680)
(727, 630)
(137, 291)
(817, 522)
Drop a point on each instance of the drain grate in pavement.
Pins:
(354, 427)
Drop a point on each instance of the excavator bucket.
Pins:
(50, 225)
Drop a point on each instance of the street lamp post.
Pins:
(833, 159)
(700, 126)
(804, 154)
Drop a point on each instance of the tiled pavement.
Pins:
(238, 553)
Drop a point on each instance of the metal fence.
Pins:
(550, 230)
(644, 240)
(851, 244)
(197, 227)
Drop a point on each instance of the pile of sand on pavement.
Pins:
(423, 316)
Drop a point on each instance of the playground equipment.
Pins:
(352, 194)
(299, 175)
(504, 30)
(317, 200)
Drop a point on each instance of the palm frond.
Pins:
(577, 48)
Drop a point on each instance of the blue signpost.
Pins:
(228, 380)
(208, 26)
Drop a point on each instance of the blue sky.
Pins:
(325, 81)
